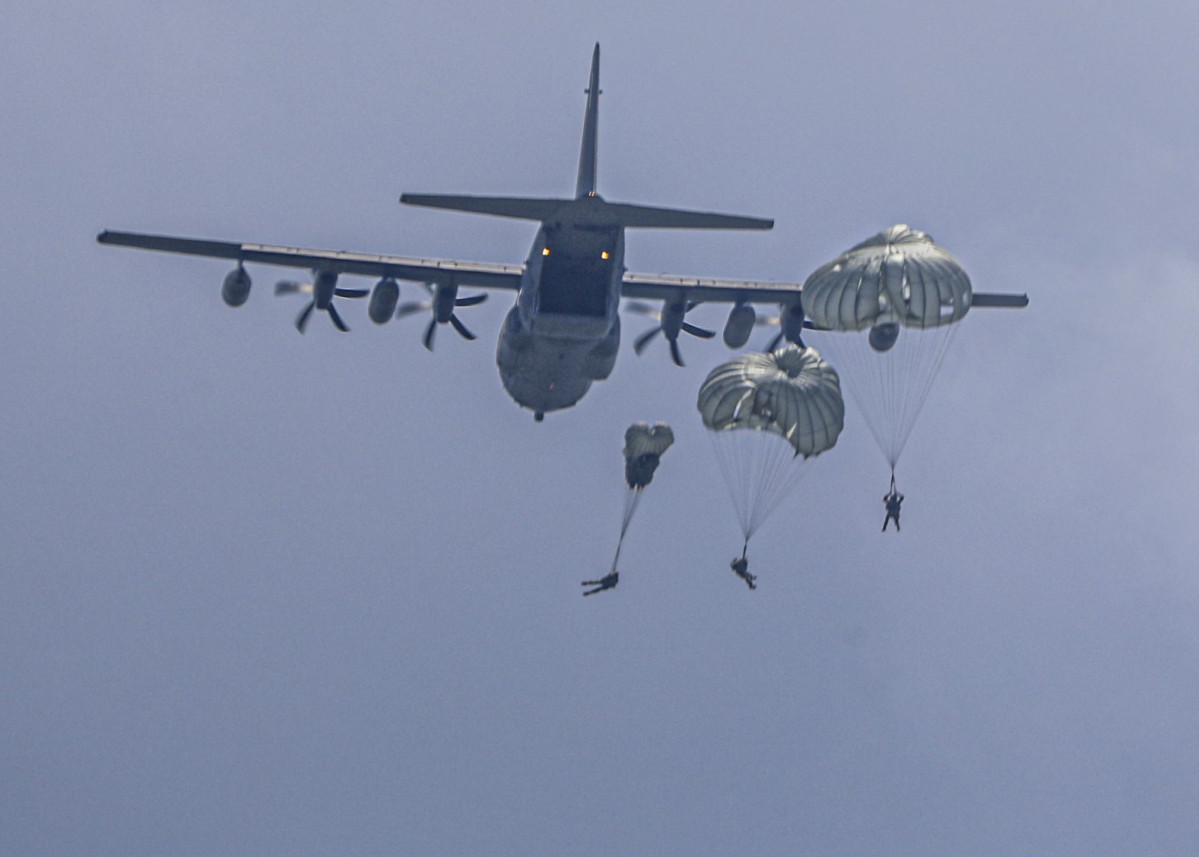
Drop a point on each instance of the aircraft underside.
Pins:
(550, 365)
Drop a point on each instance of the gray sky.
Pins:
(272, 594)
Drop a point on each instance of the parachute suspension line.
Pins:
(632, 499)
(616, 558)
(913, 380)
(760, 469)
(890, 388)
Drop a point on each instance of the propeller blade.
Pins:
(642, 308)
(338, 323)
(675, 355)
(409, 307)
(702, 333)
(351, 293)
(774, 343)
(429, 331)
(460, 327)
(290, 287)
(645, 338)
(471, 300)
(305, 314)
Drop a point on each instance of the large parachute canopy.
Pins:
(897, 279)
(643, 448)
(769, 413)
(791, 392)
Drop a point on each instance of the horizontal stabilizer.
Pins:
(590, 210)
(980, 299)
(646, 216)
(523, 207)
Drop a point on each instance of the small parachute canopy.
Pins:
(791, 392)
(643, 448)
(897, 277)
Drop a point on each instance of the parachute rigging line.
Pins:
(892, 387)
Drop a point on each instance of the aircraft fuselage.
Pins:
(564, 330)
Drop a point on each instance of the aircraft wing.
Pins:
(703, 290)
(487, 275)
(481, 274)
(706, 290)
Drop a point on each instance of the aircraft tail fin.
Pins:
(587, 207)
(585, 186)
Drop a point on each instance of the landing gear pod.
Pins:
(236, 287)
(383, 300)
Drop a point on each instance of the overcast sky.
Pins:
(283, 595)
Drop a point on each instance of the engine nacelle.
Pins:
(672, 318)
(791, 322)
(739, 326)
(383, 300)
(883, 336)
(236, 288)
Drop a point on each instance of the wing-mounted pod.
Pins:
(739, 325)
(383, 300)
(236, 288)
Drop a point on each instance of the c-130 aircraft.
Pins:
(563, 332)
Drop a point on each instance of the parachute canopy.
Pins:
(791, 392)
(897, 281)
(897, 278)
(643, 448)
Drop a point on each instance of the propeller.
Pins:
(442, 302)
(670, 323)
(791, 324)
(323, 290)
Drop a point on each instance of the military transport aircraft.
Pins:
(564, 330)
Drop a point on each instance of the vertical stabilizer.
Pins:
(586, 183)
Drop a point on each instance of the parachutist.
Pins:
(608, 581)
(639, 471)
(740, 567)
(893, 500)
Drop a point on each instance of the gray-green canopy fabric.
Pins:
(791, 392)
(898, 276)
